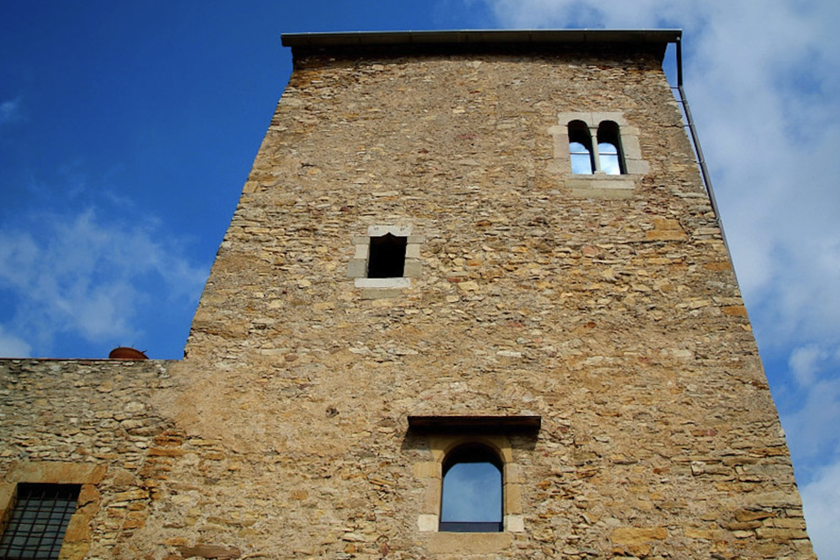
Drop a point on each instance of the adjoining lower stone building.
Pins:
(461, 259)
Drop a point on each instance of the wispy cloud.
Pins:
(11, 345)
(813, 426)
(821, 500)
(10, 111)
(77, 272)
(805, 363)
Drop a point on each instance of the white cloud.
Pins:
(13, 346)
(812, 428)
(77, 273)
(571, 13)
(821, 500)
(804, 363)
(10, 111)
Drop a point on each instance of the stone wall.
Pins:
(88, 422)
(616, 319)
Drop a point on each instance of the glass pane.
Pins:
(578, 148)
(472, 492)
(607, 148)
(610, 165)
(581, 164)
(581, 159)
(608, 155)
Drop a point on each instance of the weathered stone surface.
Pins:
(209, 551)
(85, 436)
(637, 541)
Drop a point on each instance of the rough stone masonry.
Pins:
(604, 306)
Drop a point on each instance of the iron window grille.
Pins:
(38, 521)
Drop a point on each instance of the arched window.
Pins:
(609, 149)
(580, 148)
(471, 498)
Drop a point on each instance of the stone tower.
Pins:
(455, 250)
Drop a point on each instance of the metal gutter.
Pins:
(695, 141)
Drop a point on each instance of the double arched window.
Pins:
(607, 158)
(472, 489)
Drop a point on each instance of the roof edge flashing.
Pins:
(480, 37)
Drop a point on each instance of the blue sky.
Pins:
(127, 130)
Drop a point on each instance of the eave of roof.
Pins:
(480, 37)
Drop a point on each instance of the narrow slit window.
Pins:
(39, 520)
(609, 149)
(471, 500)
(580, 148)
(387, 256)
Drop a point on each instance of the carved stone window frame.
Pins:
(598, 185)
(357, 268)
(447, 433)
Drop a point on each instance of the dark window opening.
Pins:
(471, 497)
(580, 148)
(38, 521)
(609, 149)
(387, 256)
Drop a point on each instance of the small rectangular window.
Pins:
(387, 256)
(39, 520)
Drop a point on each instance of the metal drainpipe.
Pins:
(698, 151)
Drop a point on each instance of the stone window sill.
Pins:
(468, 543)
(602, 186)
(383, 282)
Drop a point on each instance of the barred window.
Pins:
(38, 521)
